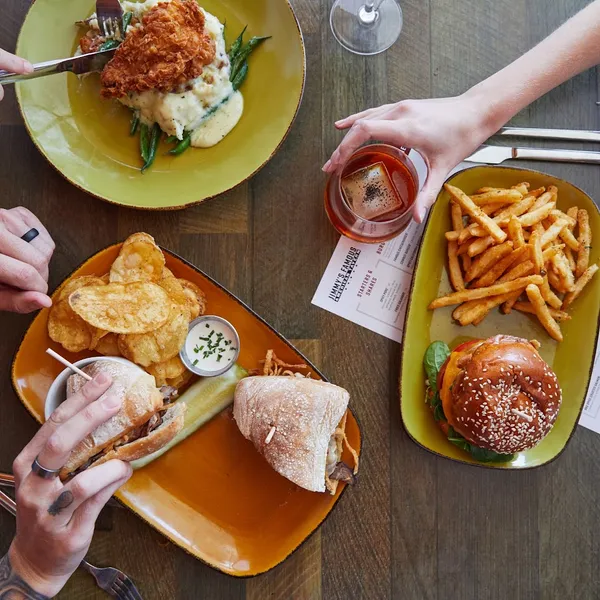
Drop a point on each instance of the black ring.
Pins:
(30, 235)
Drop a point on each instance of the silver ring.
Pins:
(42, 471)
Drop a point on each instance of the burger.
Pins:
(492, 398)
(146, 421)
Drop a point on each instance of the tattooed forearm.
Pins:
(62, 502)
(12, 587)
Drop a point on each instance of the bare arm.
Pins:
(13, 587)
(447, 130)
(571, 49)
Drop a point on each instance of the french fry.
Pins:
(515, 232)
(527, 307)
(488, 209)
(498, 269)
(521, 270)
(585, 242)
(466, 261)
(566, 235)
(579, 285)
(487, 259)
(456, 277)
(493, 290)
(495, 196)
(572, 212)
(543, 199)
(480, 245)
(456, 217)
(559, 214)
(561, 267)
(553, 232)
(504, 216)
(548, 295)
(451, 236)
(535, 245)
(548, 253)
(476, 310)
(470, 208)
(464, 248)
(508, 305)
(535, 216)
(542, 312)
(572, 262)
(555, 281)
(539, 228)
(522, 187)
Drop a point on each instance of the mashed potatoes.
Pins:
(207, 106)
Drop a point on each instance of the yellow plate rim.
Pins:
(191, 202)
(492, 466)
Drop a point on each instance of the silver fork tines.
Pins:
(110, 15)
(113, 581)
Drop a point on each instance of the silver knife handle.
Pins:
(84, 63)
(573, 156)
(39, 70)
(576, 135)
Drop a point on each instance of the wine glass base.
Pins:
(367, 35)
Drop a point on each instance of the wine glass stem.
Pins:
(368, 12)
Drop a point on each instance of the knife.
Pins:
(86, 63)
(575, 135)
(494, 155)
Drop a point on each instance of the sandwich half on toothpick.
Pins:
(298, 425)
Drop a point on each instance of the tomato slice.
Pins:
(465, 345)
(460, 348)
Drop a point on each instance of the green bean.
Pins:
(235, 47)
(126, 22)
(240, 76)
(172, 139)
(144, 142)
(182, 146)
(244, 53)
(135, 123)
(110, 45)
(153, 146)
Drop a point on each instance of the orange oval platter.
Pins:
(213, 495)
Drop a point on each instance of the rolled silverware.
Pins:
(575, 135)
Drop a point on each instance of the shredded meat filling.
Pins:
(342, 472)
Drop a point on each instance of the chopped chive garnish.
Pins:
(195, 362)
(207, 326)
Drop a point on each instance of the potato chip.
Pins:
(108, 345)
(161, 344)
(132, 308)
(169, 369)
(181, 381)
(195, 297)
(77, 283)
(105, 278)
(67, 328)
(174, 289)
(140, 259)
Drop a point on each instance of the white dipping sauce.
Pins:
(211, 346)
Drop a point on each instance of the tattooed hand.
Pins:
(55, 521)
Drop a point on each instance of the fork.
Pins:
(109, 579)
(110, 18)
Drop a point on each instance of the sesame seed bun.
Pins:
(499, 394)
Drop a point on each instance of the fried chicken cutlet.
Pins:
(170, 48)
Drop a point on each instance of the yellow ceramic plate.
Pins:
(87, 138)
(423, 326)
(213, 494)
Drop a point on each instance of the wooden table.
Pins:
(416, 526)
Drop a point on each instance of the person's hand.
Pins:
(13, 64)
(444, 131)
(55, 521)
(23, 265)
